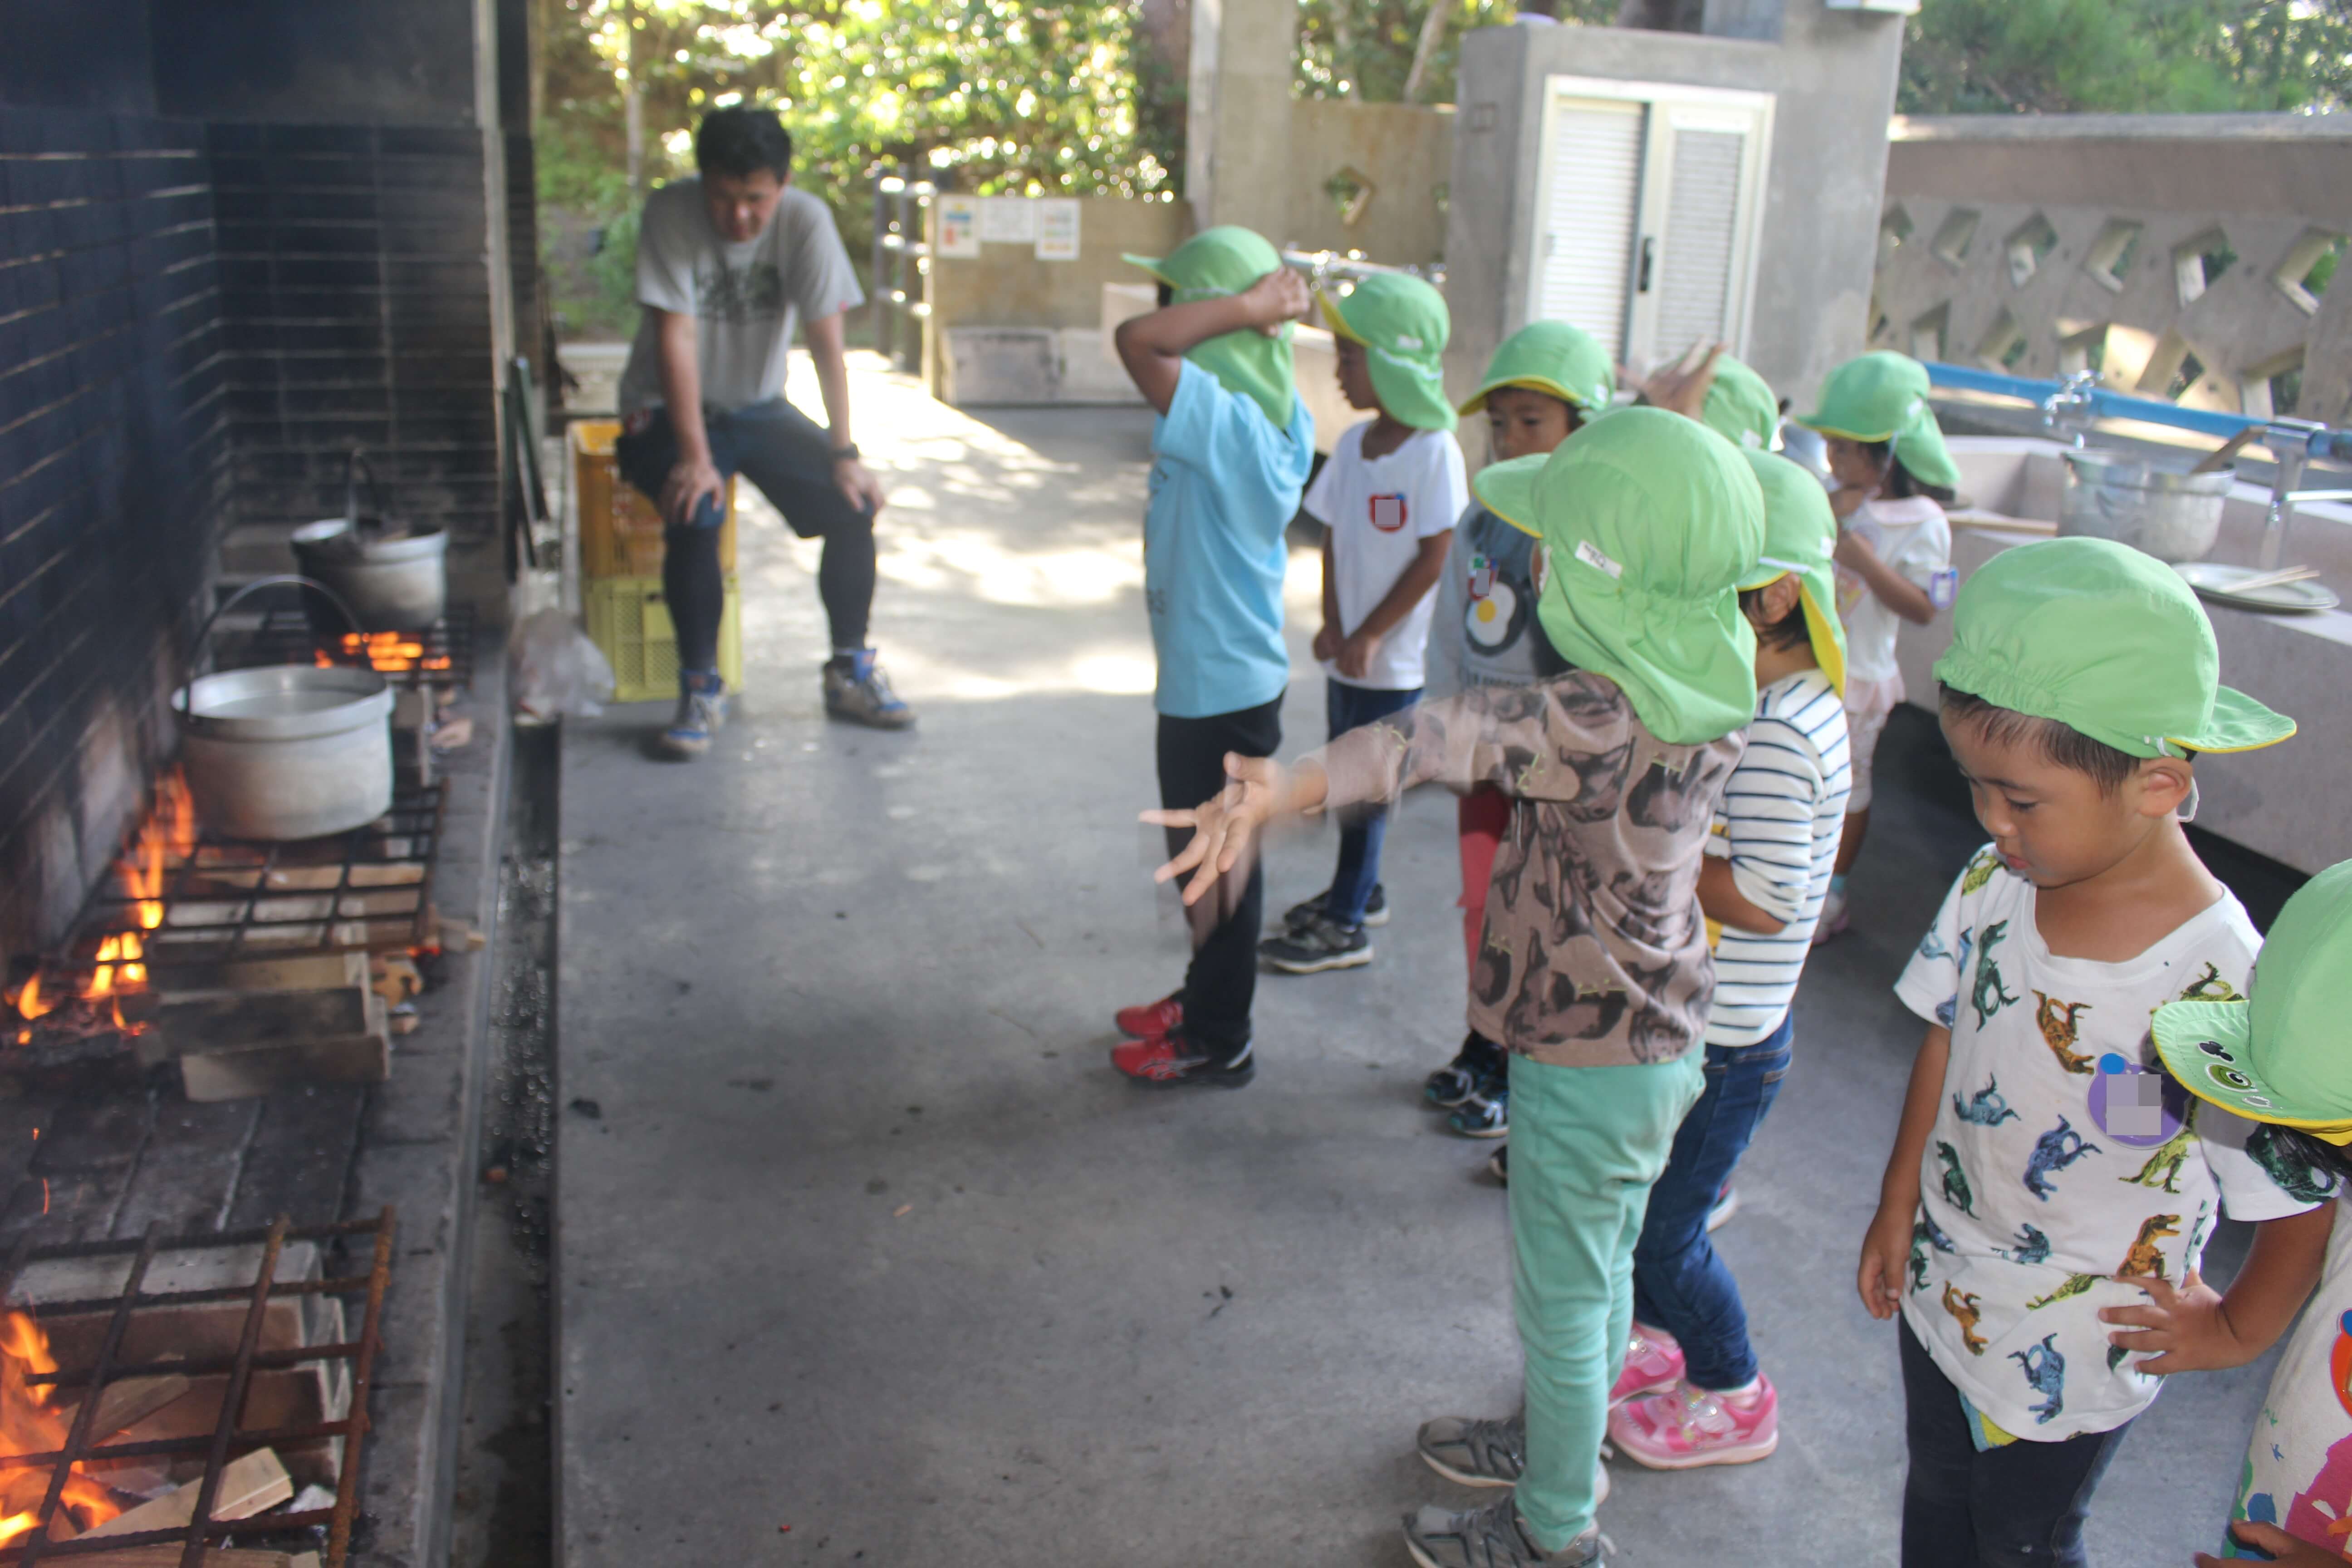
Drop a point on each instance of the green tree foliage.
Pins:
(2058, 56)
(1363, 49)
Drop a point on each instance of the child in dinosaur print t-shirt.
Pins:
(2063, 1162)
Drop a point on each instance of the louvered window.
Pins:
(1653, 201)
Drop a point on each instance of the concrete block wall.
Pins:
(114, 480)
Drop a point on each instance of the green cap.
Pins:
(1555, 359)
(1650, 522)
(2279, 1058)
(1800, 534)
(1402, 324)
(1882, 396)
(1213, 265)
(1741, 406)
(2106, 640)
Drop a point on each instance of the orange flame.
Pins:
(29, 1424)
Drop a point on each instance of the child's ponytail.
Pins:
(1900, 483)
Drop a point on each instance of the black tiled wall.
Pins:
(114, 475)
(355, 290)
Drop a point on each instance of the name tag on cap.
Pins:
(1592, 555)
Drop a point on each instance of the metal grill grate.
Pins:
(228, 1437)
(442, 657)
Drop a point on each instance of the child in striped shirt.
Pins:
(1691, 1392)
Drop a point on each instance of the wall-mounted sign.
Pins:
(1008, 220)
(958, 225)
(1057, 229)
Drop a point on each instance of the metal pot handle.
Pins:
(353, 466)
(196, 648)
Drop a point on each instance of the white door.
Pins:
(1591, 195)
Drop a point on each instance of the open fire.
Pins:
(29, 1424)
(390, 652)
(118, 965)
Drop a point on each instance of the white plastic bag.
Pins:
(557, 670)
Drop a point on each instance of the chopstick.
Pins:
(2228, 449)
(2278, 579)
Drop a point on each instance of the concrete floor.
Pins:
(865, 1254)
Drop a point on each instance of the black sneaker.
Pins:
(1317, 946)
(1499, 1167)
(1376, 909)
(1486, 1114)
(1172, 1061)
(1458, 1079)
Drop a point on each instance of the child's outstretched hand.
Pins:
(2188, 1324)
(2282, 1547)
(1681, 386)
(1223, 824)
(1885, 1253)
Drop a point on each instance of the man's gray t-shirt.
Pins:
(746, 296)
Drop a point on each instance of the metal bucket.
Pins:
(398, 584)
(392, 580)
(2171, 514)
(286, 751)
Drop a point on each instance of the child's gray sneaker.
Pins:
(1320, 944)
(1490, 1537)
(702, 709)
(1475, 1453)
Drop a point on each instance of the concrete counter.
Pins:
(2287, 801)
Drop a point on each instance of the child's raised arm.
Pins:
(1152, 347)
(2197, 1328)
(1886, 1246)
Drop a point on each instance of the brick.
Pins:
(185, 1192)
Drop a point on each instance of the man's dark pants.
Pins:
(788, 456)
(1221, 983)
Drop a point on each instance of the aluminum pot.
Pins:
(2170, 512)
(398, 584)
(287, 751)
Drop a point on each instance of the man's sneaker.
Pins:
(701, 710)
(1725, 1205)
(1833, 920)
(1172, 1061)
(1376, 909)
(1486, 1114)
(1652, 1361)
(1152, 1019)
(1490, 1537)
(1499, 1166)
(1688, 1427)
(1317, 946)
(1458, 1079)
(856, 690)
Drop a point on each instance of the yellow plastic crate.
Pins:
(629, 621)
(620, 530)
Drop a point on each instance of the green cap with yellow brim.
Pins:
(1555, 359)
(1741, 406)
(1216, 264)
(1882, 396)
(1401, 323)
(2279, 1058)
(2106, 641)
(1799, 537)
(1649, 522)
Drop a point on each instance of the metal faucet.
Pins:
(2070, 406)
(2293, 444)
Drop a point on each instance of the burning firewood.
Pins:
(247, 1485)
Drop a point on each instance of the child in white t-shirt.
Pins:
(2046, 1175)
(1892, 474)
(1387, 499)
(2279, 1061)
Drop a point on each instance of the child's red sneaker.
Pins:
(1152, 1019)
(1172, 1061)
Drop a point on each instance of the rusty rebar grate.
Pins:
(441, 657)
(229, 1436)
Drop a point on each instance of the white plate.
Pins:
(2214, 581)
